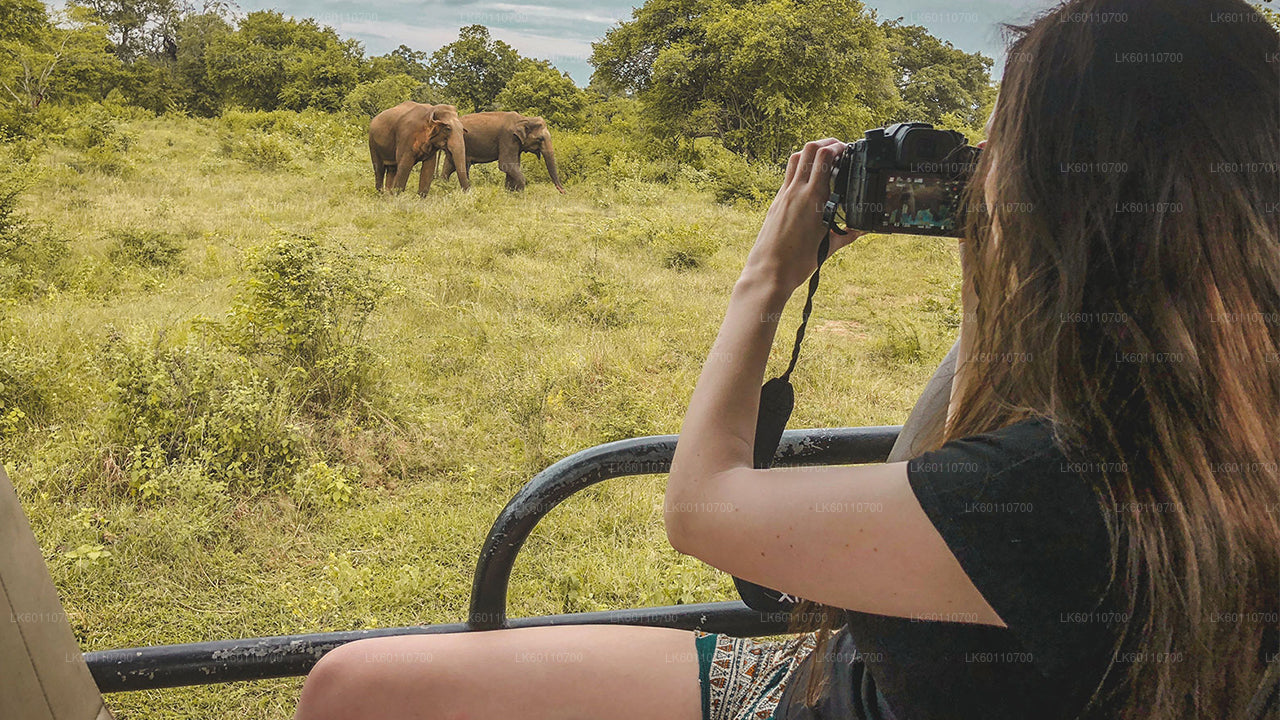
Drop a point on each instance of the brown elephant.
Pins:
(502, 136)
(409, 133)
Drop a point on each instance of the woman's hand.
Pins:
(786, 250)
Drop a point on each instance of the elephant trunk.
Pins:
(550, 156)
(458, 154)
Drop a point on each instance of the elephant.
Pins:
(502, 136)
(411, 132)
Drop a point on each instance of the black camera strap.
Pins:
(777, 400)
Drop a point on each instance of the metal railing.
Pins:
(220, 661)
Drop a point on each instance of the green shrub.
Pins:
(145, 248)
(370, 98)
(306, 306)
(198, 405)
(262, 150)
(320, 486)
(733, 178)
(26, 394)
(320, 134)
(96, 127)
(30, 255)
(685, 246)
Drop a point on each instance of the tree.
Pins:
(138, 28)
(474, 68)
(196, 33)
(371, 98)
(763, 76)
(271, 62)
(404, 60)
(539, 89)
(67, 59)
(22, 21)
(937, 80)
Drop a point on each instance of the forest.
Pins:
(243, 394)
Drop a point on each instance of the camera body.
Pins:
(906, 178)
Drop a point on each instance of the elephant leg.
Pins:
(446, 166)
(428, 174)
(379, 170)
(515, 177)
(404, 166)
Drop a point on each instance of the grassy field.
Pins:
(502, 333)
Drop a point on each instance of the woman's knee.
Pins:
(338, 685)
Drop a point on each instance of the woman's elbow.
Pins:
(676, 521)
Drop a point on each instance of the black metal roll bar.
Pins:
(220, 661)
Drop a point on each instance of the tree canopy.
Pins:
(763, 75)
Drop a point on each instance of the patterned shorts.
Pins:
(743, 678)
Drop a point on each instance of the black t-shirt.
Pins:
(1027, 526)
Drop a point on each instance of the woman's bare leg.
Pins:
(577, 672)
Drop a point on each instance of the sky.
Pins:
(562, 30)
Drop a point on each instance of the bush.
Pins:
(264, 151)
(96, 127)
(279, 138)
(320, 486)
(306, 307)
(196, 404)
(685, 247)
(30, 256)
(733, 178)
(26, 395)
(370, 98)
(145, 248)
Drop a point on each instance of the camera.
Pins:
(906, 178)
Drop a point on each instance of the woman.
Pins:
(1094, 534)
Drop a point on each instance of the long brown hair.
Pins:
(1132, 297)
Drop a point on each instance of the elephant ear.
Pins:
(422, 144)
(521, 129)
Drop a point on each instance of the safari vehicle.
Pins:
(33, 650)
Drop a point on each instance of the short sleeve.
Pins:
(1027, 527)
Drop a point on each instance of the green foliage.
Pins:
(370, 98)
(279, 139)
(26, 390)
(686, 247)
(197, 404)
(102, 142)
(261, 150)
(734, 178)
(271, 62)
(30, 255)
(539, 89)
(137, 27)
(22, 21)
(404, 60)
(937, 82)
(474, 68)
(196, 33)
(761, 76)
(764, 77)
(319, 486)
(64, 59)
(147, 248)
(306, 306)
